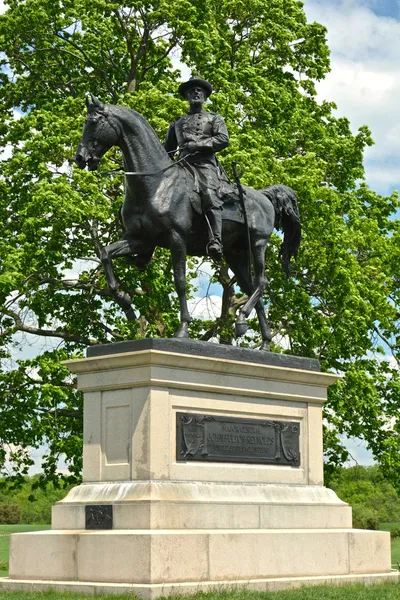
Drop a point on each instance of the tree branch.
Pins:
(386, 341)
(74, 284)
(62, 412)
(70, 337)
(164, 55)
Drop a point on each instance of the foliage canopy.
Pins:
(373, 499)
(263, 60)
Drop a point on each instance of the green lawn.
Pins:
(395, 543)
(5, 531)
(353, 592)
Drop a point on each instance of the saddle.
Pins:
(228, 192)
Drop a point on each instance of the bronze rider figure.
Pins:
(198, 135)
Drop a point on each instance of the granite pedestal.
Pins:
(156, 515)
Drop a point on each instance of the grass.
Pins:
(349, 592)
(389, 526)
(395, 543)
(5, 531)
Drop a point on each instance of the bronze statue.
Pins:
(198, 135)
(162, 208)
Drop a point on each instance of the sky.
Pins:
(363, 36)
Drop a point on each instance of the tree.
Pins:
(21, 506)
(372, 497)
(263, 59)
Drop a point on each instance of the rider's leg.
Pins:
(214, 246)
(208, 177)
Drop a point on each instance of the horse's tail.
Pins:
(287, 218)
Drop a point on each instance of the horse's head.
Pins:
(98, 135)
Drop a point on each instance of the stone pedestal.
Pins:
(157, 516)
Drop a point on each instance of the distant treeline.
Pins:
(373, 499)
(25, 504)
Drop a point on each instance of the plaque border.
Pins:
(200, 452)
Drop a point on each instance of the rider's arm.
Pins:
(171, 143)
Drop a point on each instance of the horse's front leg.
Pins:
(178, 252)
(121, 248)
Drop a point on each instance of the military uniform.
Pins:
(198, 136)
(208, 133)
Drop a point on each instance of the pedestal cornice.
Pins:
(182, 371)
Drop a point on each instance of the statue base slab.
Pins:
(153, 591)
(159, 514)
(174, 556)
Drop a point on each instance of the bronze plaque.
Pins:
(229, 439)
(99, 516)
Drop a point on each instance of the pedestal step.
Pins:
(153, 591)
(154, 557)
(199, 505)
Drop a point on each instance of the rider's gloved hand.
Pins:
(191, 146)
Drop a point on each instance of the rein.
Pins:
(122, 172)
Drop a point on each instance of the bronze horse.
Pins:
(160, 210)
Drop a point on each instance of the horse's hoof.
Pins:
(241, 328)
(182, 332)
(130, 314)
(264, 347)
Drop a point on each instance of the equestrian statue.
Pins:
(188, 205)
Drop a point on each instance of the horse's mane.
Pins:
(133, 117)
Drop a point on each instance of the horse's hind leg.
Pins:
(264, 325)
(178, 252)
(121, 248)
(240, 268)
(256, 289)
(259, 280)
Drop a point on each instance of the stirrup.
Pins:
(214, 249)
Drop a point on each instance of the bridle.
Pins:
(103, 114)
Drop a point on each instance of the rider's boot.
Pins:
(214, 246)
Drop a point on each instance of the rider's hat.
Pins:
(193, 81)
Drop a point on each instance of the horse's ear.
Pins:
(93, 103)
(98, 105)
(88, 100)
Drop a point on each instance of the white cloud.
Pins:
(208, 307)
(365, 79)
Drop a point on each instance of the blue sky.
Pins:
(382, 8)
(363, 36)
